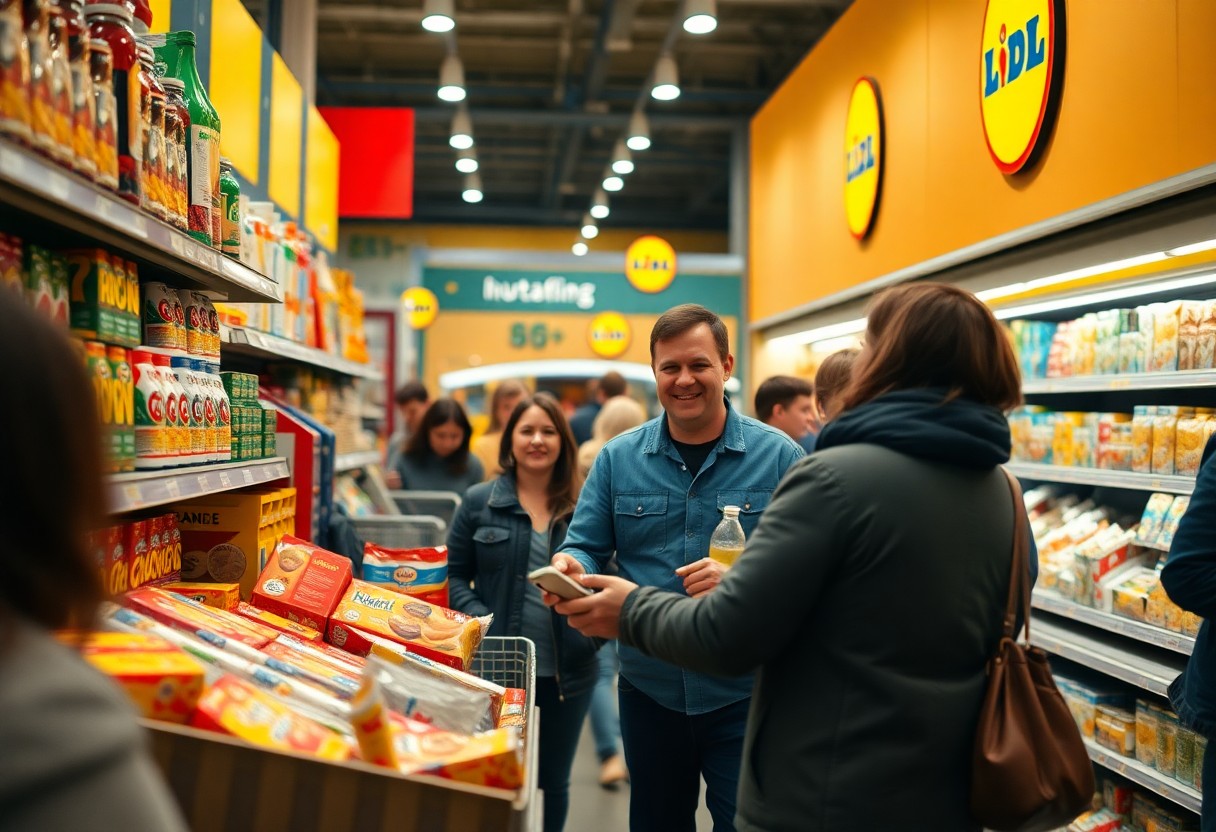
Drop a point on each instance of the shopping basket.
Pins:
(441, 504)
(401, 531)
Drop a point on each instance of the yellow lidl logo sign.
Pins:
(421, 306)
(1021, 69)
(863, 149)
(608, 335)
(650, 264)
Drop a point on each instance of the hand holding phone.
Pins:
(563, 586)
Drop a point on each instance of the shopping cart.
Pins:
(510, 661)
(441, 504)
(401, 531)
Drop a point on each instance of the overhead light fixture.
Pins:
(700, 16)
(439, 15)
(613, 183)
(622, 159)
(822, 333)
(1107, 296)
(599, 205)
(1074, 274)
(590, 230)
(666, 79)
(1193, 248)
(579, 248)
(639, 132)
(466, 162)
(451, 79)
(472, 188)
(462, 130)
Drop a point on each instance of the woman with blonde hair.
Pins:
(619, 414)
(506, 395)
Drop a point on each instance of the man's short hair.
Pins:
(779, 390)
(613, 384)
(679, 319)
(411, 391)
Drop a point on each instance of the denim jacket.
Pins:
(488, 546)
(641, 502)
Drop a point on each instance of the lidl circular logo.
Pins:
(1021, 70)
(421, 307)
(863, 149)
(609, 335)
(650, 264)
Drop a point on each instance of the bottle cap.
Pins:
(731, 511)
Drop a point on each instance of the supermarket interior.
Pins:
(355, 281)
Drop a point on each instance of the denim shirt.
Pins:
(643, 503)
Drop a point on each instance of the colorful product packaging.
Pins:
(420, 573)
(373, 729)
(283, 625)
(151, 556)
(162, 681)
(223, 536)
(513, 713)
(302, 583)
(178, 612)
(414, 690)
(493, 759)
(220, 596)
(101, 306)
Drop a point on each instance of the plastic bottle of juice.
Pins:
(210, 411)
(727, 541)
(175, 394)
(153, 448)
(190, 409)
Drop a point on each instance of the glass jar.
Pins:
(101, 73)
(177, 120)
(111, 23)
(84, 113)
(154, 138)
(61, 87)
(14, 73)
(37, 35)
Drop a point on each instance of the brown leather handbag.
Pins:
(1030, 771)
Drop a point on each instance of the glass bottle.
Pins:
(727, 541)
(14, 73)
(105, 106)
(37, 35)
(177, 141)
(112, 23)
(230, 191)
(61, 86)
(154, 138)
(84, 107)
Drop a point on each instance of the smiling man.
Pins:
(654, 496)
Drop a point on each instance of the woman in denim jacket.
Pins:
(503, 530)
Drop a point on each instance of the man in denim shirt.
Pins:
(654, 496)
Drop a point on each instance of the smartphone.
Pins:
(559, 583)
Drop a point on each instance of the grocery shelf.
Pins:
(1145, 776)
(373, 412)
(1178, 380)
(255, 344)
(1143, 667)
(356, 460)
(145, 489)
(1147, 633)
(1102, 476)
(60, 199)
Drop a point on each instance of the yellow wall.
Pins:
(321, 199)
(531, 238)
(1137, 107)
(236, 84)
(286, 136)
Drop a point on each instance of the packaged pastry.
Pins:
(1205, 343)
(283, 625)
(234, 706)
(1189, 439)
(414, 690)
(1201, 750)
(1165, 337)
(1167, 742)
(162, 681)
(513, 713)
(1172, 518)
(1190, 313)
(221, 596)
(1165, 428)
(1115, 728)
(1146, 732)
(1084, 698)
(1142, 439)
(1131, 343)
(1153, 519)
(1096, 820)
(302, 583)
(181, 614)
(1130, 597)
(444, 635)
(493, 759)
(420, 573)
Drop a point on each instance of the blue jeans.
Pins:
(561, 721)
(668, 753)
(605, 721)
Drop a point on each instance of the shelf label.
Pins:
(12, 164)
(132, 494)
(247, 475)
(1119, 384)
(204, 482)
(225, 480)
(173, 489)
(58, 186)
(192, 251)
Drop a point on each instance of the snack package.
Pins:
(302, 583)
(370, 719)
(414, 690)
(221, 596)
(1118, 798)
(493, 759)
(283, 625)
(163, 682)
(512, 713)
(340, 660)
(1154, 517)
(1189, 439)
(1115, 728)
(316, 669)
(420, 573)
(234, 706)
(1188, 333)
(1165, 337)
(1130, 597)
(1097, 820)
(444, 635)
(1146, 731)
(1172, 518)
(1165, 429)
(1167, 742)
(1085, 697)
(1205, 342)
(1142, 439)
(178, 612)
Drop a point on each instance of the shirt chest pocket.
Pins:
(493, 546)
(751, 502)
(641, 521)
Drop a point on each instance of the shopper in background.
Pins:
(437, 457)
(73, 755)
(784, 402)
(872, 594)
(598, 391)
(412, 400)
(502, 404)
(619, 414)
(1189, 578)
(653, 498)
(831, 379)
(503, 530)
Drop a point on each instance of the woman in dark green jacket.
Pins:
(871, 594)
(503, 530)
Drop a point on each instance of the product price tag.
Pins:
(247, 475)
(225, 480)
(173, 489)
(12, 164)
(131, 494)
(58, 185)
(1120, 383)
(204, 483)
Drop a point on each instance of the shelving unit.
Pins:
(1182, 379)
(261, 345)
(1145, 776)
(146, 489)
(1102, 477)
(1117, 624)
(1139, 666)
(354, 461)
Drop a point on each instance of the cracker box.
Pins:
(494, 758)
(278, 622)
(181, 614)
(222, 537)
(113, 539)
(162, 681)
(99, 299)
(221, 596)
(420, 573)
(512, 713)
(302, 583)
(316, 668)
(437, 633)
(135, 547)
(151, 556)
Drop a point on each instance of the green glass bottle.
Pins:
(230, 197)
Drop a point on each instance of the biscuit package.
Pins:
(420, 573)
(221, 596)
(440, 634)
(412, 690)
(493, 759)
(513, 713)
(302, 583)
(278, 622)
(180, 613)
(162, 681)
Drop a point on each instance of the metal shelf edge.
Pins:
(1117, 383)
(1109, 623)
(1126, 667)
(1102, 477)
(1138, 772)
(132, 492)
(355, 460)
(279, 348)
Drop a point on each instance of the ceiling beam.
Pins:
(660, 121)
(339, 86)
(487, 213)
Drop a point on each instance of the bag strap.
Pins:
(1019, 570)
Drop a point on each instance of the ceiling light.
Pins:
(472, 188)
(666, 79)
(622, 159)
(438, 15)
(579, 248)
(451, 79)
(700, 16)
(590, 230)
(1193, 248)
(638, 137)
(1107, 296)
(466, 162)
(822, 333)
(1065, 277)
(599, 205)
(613, 183)
(462, 130)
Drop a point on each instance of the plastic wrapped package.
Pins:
(1147, 715)
(1165, 429)
(1142, 439)
(1172, 518)
(1165, 337)
(1190, 314)
(1205, 340)
(1115, 728)
(415, 691)
(1167, 743)
(1153, 519)
(1188, 445)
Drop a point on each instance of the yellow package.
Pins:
(1205, 342)
(220, 596)
(1188, 333)
(1165, 427)
(1189, 439)
(493, 758)
(1142, 439)
(1165, 337)
(162, 681)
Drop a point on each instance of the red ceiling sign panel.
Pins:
(377, 174)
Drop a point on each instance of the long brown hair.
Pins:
(439, 413)
(508, 387)
(934, 335)
(832, 377)
(52, 492)
(564, 484)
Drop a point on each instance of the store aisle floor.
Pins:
(593, 809)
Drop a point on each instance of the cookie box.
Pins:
(161, 680)
(221, 596)
(278, 622)
(178, 612)
(494, 758)
(302, 583)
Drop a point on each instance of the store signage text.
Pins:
(554, 289)
(1021, 69)
(863, 149)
